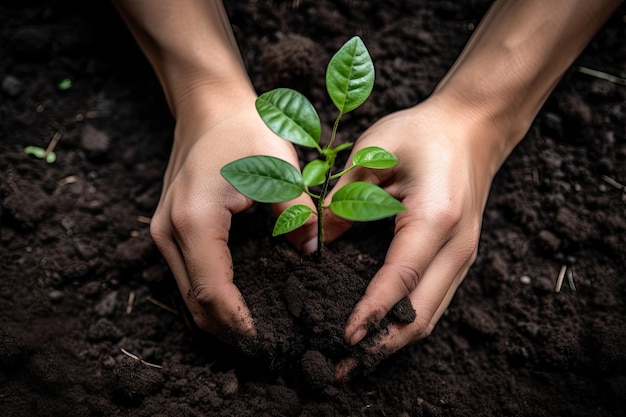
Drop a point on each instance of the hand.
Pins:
(193, 217)
(443, 178)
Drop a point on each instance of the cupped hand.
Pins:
(192, 220)
(447, 161)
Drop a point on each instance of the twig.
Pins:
(131, 301)
(570, 279)
(160, 304)
(137, 358)
(613, 183)
(53, 142)
(144, 219)
(130, 355)
(70, 179)
(559, 280)
(602, 75)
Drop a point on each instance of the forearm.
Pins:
(516, 57)
(192, 49)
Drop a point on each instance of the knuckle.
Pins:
(159, 232)
(181, 218)
(448, 216)
(204, 295)
(422, 327)
(408, 278)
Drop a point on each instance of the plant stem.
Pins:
(320, 207)
(320, 215)
(334, 132)
(324, 191)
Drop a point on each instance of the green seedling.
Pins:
(40, 153)
(65, 84)
(290, 115)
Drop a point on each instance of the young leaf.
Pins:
(291, 116)
(292, 218)
(264, 178)
(350, 75)
(364, 201)
(65, 84)
(374, 157)
(40, 153)
(314, 173)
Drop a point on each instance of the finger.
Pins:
(433, 294)
(398, 335)
(203, 239)
(427, 317)
(345, 368)
(411, 251)
(196, 251)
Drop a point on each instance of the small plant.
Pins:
(289, 114)
(40, 153)
(65, 84)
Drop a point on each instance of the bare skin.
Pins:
(192, 49)
(450, 147)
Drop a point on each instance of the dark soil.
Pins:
(91, 322)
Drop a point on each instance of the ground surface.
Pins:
(83, 289)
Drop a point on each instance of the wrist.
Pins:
(205, 103)
(488, 135)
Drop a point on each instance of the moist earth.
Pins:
(91, 321)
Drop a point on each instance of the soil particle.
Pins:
(317, 370)
(131, 381)
(95, 142)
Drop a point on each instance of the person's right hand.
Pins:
(193, 217)
(447, 160)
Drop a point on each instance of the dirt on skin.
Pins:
(92, 324)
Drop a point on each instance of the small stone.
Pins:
(103, 330)
(11, 86)
(95, 142)
(548, 241)
(109, 362)
(317, 369)
(525, 279)
(133, 250)
(85, 250)
(230, 383)
(56, 296)
(106, 306)
(603, 89)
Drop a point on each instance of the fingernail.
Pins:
(358, 335)
(309, 246)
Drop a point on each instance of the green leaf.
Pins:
(314, 173)
(350, 75)
(374, 157)
(40, 153)
(291, 116)
(292, 218)
(264, 178)
(64, 84)
(363, 201)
